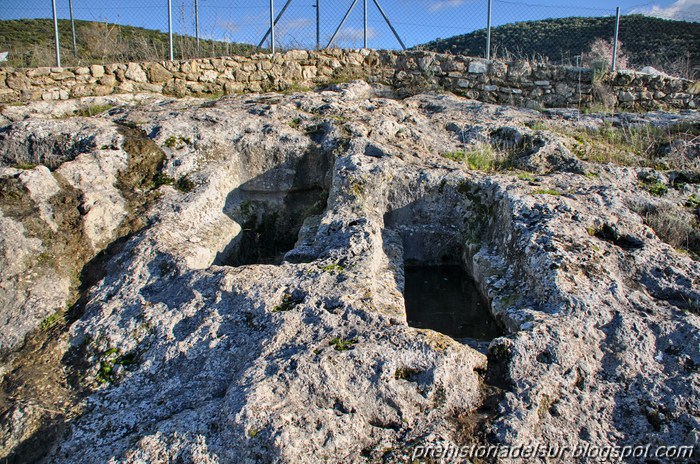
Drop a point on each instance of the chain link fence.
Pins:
(104, 31)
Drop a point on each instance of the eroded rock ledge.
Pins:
(252, 310)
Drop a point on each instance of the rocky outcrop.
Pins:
(257, 313)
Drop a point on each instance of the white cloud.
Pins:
(298, 23)
(355, 34)
(227, 26)
(686, 10)
(444, 4)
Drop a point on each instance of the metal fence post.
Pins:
(617, 31)
(72, 28)
(196, 23)
(55, 35)
(318, 24)
(388, 23)
(170, 29)
(272, 25)
(277, 19)
(488, 31)
(330, 42)
(364, 35)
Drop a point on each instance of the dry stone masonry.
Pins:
(515, 83)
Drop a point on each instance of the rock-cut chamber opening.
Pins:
(272, 207)
(270, 224)
(439, 294)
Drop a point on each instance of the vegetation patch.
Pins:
(481, 157)
(674, 225)
(109, 360)
(51, 321)
(25, 166)
(527, 177)
(546, 191)
(500, 152)
(92, 110)
(65, 250)
(30, 43)
(183, 184)
(406, 373)
(143, 175)
(662, 43)
(457, 156)
(335, 267)
(639, 146)
(295, 87)
(343, 344)
(177, 141)
(656, 188)
(295, 123)
(344, 75)
(693, 201)
(289, 301)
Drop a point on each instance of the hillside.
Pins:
(30, 43)
(671, 45)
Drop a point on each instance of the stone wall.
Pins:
(517, 83)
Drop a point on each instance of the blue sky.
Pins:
(416, 21)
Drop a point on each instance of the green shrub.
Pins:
(457, 156)
(177, 141)
(51, 321)
(162, 178)
(333, 268)
(184, 184)
(693, 201)
(546, 191)
(657, 188)
(341, 344)
(25, 166)
(482, 157)
(287, 304)
(526, 176)
(92, 110)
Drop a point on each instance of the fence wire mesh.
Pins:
(137, 30)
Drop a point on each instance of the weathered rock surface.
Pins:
(255, 313)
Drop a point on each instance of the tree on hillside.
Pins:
(600, 54)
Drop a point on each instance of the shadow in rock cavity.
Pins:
(446, 299)
(439, 294)
(272, 207)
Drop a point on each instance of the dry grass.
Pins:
(30, 44)
(481, 157)
(671, 147)
(672, 224)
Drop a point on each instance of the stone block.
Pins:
(108, 80)
(478, 67)
(157, 74)
(18, 81)
(39, 72)
(135, 73)
(97, 71)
